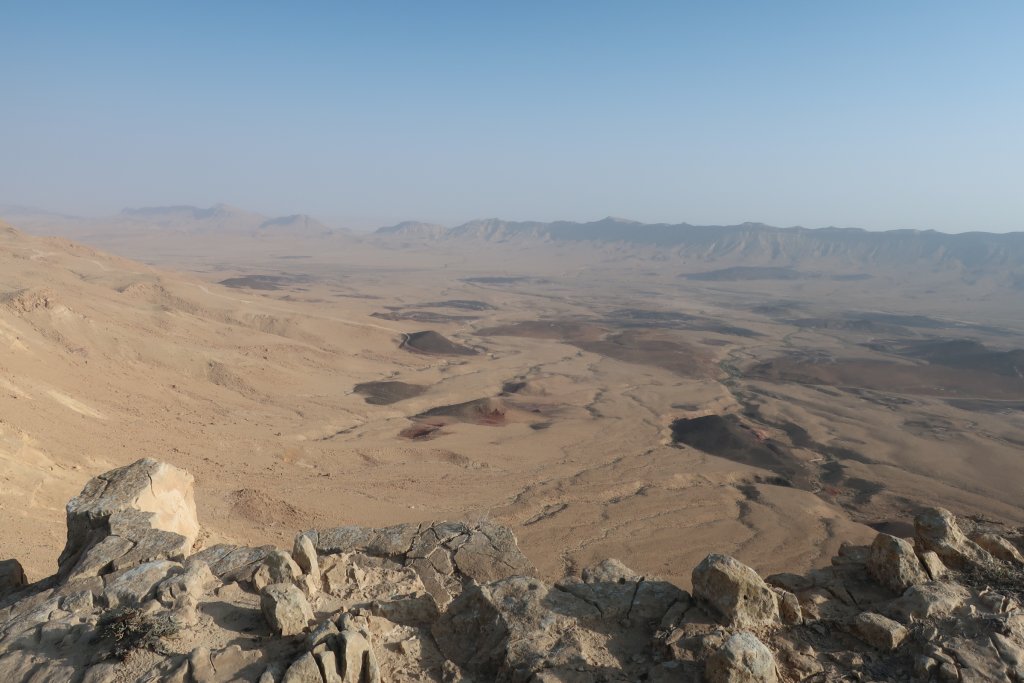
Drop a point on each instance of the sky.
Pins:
(873, 114)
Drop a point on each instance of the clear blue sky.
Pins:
(875, 114)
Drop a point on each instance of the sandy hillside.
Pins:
(556, 390)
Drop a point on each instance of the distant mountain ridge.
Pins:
(221, 218)
(756, 243)
(217, 219)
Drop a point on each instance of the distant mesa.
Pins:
(460, 304)
(727, 437)
(483, 411)
(387, 392)
(434, 344)
(265, 282)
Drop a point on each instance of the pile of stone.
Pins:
(133, 600)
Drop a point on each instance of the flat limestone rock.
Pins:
(879, 632)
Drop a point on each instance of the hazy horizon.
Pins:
(794, 114)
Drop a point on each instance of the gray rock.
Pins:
(937, 530)
(12, 577)
(195, 580)
(490, 554)
(742, 659)
(894, 564)
(999, 547)
(879, 632)
(285, 608)
(145, 511)
(304, 554)
(303, 670)
(933, 565)
(358, 659)
(137, 585)
(609, 571)
(510, 625)
(735, 592)
(929, 600)
(277, 567)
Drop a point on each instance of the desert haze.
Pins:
(607, 389)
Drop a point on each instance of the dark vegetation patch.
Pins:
(460, 304)
(863, 377)
(964, 354)
(432, 343)
(627, 318)
(885, 323)
(976, 405)
(747, 273)
(640, 347)
(388, 392)
(265, 282)
(561, 330)
(777, 308)
(129, 629)
(497, 279)
(740, 273)
(422, 316)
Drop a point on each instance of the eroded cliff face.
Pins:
(135, 600)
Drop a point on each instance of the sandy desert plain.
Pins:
(602, 400)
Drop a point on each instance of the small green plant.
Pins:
(129, 629)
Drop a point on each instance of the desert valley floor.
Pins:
(600, 402)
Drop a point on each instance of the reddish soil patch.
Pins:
(420, 432)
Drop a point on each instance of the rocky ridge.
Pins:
(136, 599)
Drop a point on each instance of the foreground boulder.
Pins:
(139, 513)
(742, 659)
(735, 592)
(937, 530)
(894, 564)
(457, 602)
(286, 609)
(12, 577)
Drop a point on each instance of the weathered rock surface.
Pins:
(449, 601)
(286, 609)
(894, 564)
(937, 530)
(138, 513)
(12, 576)
(742, 659)
(735, 592)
